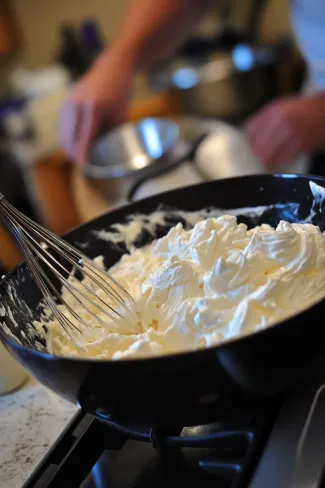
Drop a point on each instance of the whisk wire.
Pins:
(74, 257)
(40, 275)
(37, 244)
(42, 280)
(68, 284)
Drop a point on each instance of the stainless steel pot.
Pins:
(220, 90)
(132, 153)
(230, 85)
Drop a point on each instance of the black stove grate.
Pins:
(92, 453)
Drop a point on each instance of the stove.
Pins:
(275, 443)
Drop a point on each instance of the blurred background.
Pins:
(245, 46)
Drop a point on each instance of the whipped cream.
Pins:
(197, 288)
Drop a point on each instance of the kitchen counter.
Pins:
(30, 420)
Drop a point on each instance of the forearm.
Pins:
(153, 29)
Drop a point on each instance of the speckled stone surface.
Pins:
(30, 421)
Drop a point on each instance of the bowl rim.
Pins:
(6, 339)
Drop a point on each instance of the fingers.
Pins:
(262, 129)
(89, 128)
(283, 153)
(69, 125)
(272, 138)
(79, 124)
(100, 97)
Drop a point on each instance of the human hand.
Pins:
(286, 128)
(98, 100)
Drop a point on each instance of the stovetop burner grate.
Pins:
(92, 453)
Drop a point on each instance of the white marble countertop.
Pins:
(31, 418)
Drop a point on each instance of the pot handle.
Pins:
(189, 156)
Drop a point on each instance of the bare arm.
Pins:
(152, 30)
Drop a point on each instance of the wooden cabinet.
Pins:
(9, 32)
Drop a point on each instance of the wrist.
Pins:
(119, 56)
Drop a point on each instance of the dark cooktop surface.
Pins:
(277, 443)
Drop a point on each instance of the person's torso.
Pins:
(308, 19)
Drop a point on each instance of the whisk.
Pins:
(53, 261)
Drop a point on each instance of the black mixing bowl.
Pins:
(182, 388)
